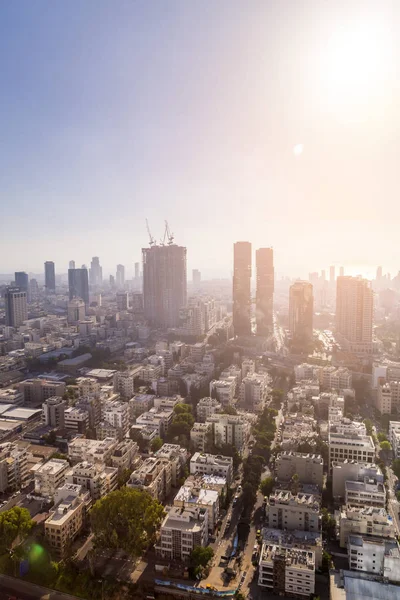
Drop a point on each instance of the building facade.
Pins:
(265, 291)
(242, 288)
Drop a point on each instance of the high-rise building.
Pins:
(120, 278)
(323, 275)
(354, 314)
(122, 301)
(95, 271)
(196, 277)
(22, 281)
(49, 276)
(164, 284)
(341, 271)
(78, 282)
(53, 412)
(332, 274)
(379, 274)
(241, 288)
(112, 281)
(72, 264)
(33, 289)
(137, 270)
(265, 291)
(301, 309)
(76, 310)
(16, 306)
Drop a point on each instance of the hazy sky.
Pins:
(114, 111)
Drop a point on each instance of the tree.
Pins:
(15, 523)
(267, 485)
(294, 484)
(156, 444)
(182, 408)
(127, 519)
(326, 562)
(368, 426)
(328, 524)
(396, 467)
(386, 448)
(123, 477)
(229, 410)
(382, 437)
(201, 556)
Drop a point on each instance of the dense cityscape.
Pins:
(170, 438)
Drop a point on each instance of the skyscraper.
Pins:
(301, 310)
(72, 264)
(341, 271)
(137, 270)
(264, 291)
(49, 276)
(16, 306)
(95, 272)
(354, 314)
(332, 274)
(78, 283)
(164, 284)
(21, 280)
(196, 277)
(241, 288)
(120, 278)
(112, 281)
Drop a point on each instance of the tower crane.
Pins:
(152, 240)
(170, 235)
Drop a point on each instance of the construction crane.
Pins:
(152, 240)
(170, 235)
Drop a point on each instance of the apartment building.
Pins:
(233, 371)
(306, 372)
(49, 476)
(117, 414)
(230, 429)
(388, 397)
(336, 378)
(207, 407)
(309, 467)
(36, 391)
(288, 572)
(140, 403)
(285, 510)
(351, 447)
(13, 467)
(394, 437)
(351, 470)
(177, 457)
(253, 392)
(210, 464)
(248, 367)
(153, 476)
(192, 495)
(363, 520)
(125, 455)
(11, 396)
(374, 555)
(96, 478)
(223, 390)
(200, 436)
(92, 405)
(66, 519)
(88, 386)
(76, 419)
(81, 449)
(365, 493)
(151, 373)
(124, 382)
(181, 531)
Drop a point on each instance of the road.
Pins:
(393, 504)
(28, 591)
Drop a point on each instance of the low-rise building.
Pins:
(351, 470)
(374, 555)
(36, 391)
(96, 478)
(49, 476)
(210, 464)
(253, 392)
(285, 510)
(117, 414)
(191, 495)
(223, 390)
(81, 449)
(365, 521)
(177, 457)
(125, 455)
(13, 467)
(288, 572)
(153, 476)
(207, 407)
(352, 447)
(157, 419)
(309, 467)
(365, 493)
(388, 397)
(11, 396)
(200, 436)
(336, 378)
(76, 419)
(230, 429)
(124, 382)
(88, 386)
(181, 531)
(394, 437)
(140, 403)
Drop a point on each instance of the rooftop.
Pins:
(293, 557)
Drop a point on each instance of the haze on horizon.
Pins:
(271, 122)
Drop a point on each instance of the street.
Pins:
(23, 590)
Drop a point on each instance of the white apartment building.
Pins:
(96, 478)
(49, 476)
(285, 510)
(151, 373)
(177, 457)
(207, 407)
(336, 378)
(210, 464)
(394, 437)
(306, 372)
(351, 447)
(200, 435)
(288, 572)
(125, 455)
(253, 392)
(230, 429)
(309, 467)
(351, 470)
(158, 420)
(364, 521)
(374, 555)
(76, 419)
(386, 397)
(153, 476)
(248, 367)
(124, 383)
(88, 386)
(365, 493)
(181, 531)
(140, 403)
(192, 495)
(347, 427)
(81, 449)
(11, 396)
(13, 467)
(233, 371)
(117, 415)
(223, 390)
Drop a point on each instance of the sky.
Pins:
(273, 122)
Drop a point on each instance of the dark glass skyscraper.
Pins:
(49, 276)
(241, 288)
(78, 282)
(265, 291)
(164, 284)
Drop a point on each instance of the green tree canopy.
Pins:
(396, 467)
(15, 523)
(156, 444)
(382, 437)
(201, 556)
(182, 408)
(229, 410)
(368, 426)
(267, 485)
(127, 519)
